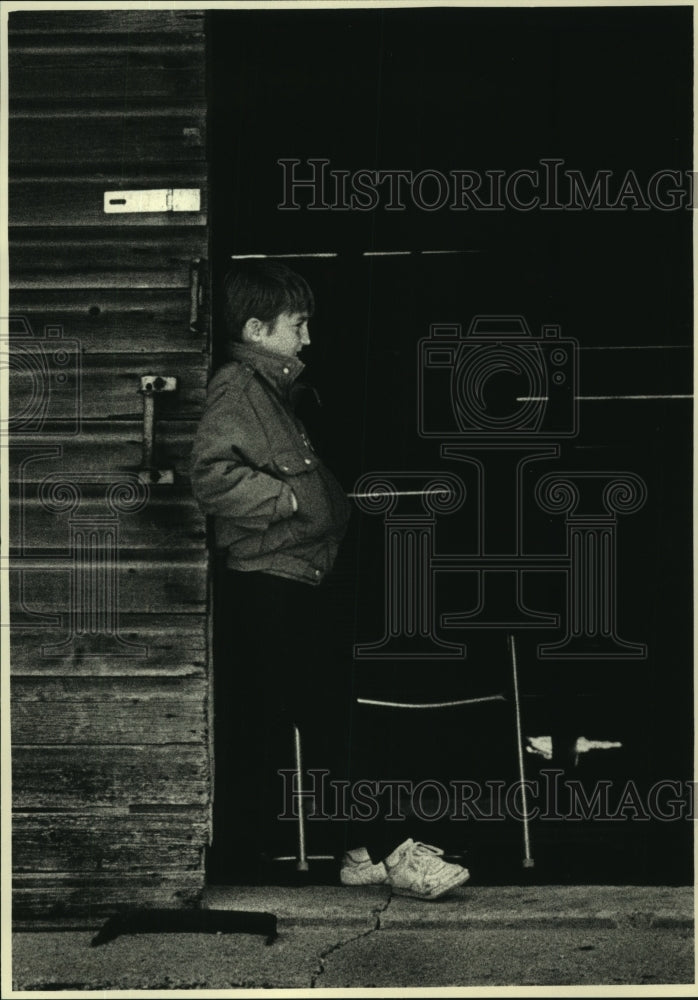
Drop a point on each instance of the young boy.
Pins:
(280, 515)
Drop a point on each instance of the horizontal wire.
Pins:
(430, 704)
(364, 253)
(398, 493)
(309, 857)
(543, 399)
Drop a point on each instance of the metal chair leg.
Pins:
(302, 862)
(528, 861)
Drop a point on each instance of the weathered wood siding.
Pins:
(110, 678)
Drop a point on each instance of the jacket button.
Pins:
(307, 461)
(286, 370)
(317, 572)
(285, 468)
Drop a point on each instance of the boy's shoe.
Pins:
(358, 869)
(416, 869)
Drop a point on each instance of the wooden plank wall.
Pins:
(111, 763)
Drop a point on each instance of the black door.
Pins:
(423, 168)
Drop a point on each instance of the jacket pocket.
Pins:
(303, 473)
(292, 463)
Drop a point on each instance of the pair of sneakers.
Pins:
(413, 869)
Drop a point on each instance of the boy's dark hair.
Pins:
(263, 289)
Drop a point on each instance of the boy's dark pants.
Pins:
(282, 659)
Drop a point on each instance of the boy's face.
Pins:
(287, 335)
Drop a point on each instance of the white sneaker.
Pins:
(358, 869)
(416, 869)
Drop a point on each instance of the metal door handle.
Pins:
(195, 295)
(152, 385)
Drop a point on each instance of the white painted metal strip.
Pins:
(156, 200)
(544, 399)
(278, 256)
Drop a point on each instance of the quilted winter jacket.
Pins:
(251, 456)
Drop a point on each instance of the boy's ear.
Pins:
(253, 329)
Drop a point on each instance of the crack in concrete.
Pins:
(376, 913)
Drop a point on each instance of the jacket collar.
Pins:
(280, 370)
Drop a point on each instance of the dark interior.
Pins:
(604, 89)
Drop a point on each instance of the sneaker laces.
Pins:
(422, 848)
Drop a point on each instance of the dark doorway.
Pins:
(605, 93)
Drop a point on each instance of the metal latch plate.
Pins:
(158, 383)
(156, 200)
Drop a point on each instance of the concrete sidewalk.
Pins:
(338, 937)
(479, 906)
